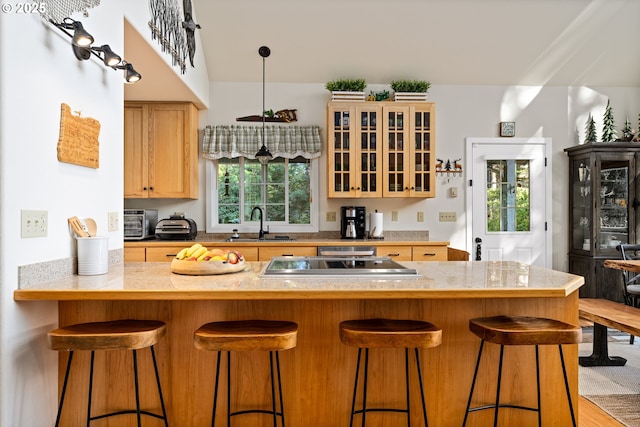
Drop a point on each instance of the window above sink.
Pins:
(235, 186)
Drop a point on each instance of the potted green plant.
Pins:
(410, 90)
(346, 89)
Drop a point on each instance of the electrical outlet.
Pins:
(33, 223)
(331, 217)
(114, 218)
(420, 216)
(394, 215)
(178, 213)
(448, 217)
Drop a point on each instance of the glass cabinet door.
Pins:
(581, 214)
(396, 138)
(340, 149)
(423, 178)
(613, 200)
(368, 182)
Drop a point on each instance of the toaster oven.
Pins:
(140, 224)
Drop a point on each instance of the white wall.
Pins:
(38, 72)
(559, 113)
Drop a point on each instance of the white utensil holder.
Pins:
(93, 255)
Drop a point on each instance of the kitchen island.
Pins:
(318, 373)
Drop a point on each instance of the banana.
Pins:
(204, 254)
(192, 249)
(200, 251)
(182, 254)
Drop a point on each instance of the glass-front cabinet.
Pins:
(381, 149)
(602, 212)
(354, 150)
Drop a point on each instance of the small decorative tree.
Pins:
(608, 126)
(590, 135)
(627, 132)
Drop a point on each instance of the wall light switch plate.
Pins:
(114, 218)
(448, 217)
(33, 223)
(331, 217)
(420, 216)
(394, 215)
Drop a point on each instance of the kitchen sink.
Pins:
(266, 239)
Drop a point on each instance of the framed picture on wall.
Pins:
(507, 128)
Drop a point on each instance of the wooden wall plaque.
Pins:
(78, 141)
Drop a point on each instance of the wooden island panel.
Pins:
(318, 374)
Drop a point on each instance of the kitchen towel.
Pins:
(375, 225)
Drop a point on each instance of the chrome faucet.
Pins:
(261, 233)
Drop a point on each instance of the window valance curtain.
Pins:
(228, 141)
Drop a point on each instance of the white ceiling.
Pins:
(448, 42)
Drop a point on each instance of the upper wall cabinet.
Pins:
(160, 150)
(381, 149)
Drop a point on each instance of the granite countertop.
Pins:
(439, 280)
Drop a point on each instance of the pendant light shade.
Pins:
(263, 155)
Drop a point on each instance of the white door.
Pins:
(509, 200)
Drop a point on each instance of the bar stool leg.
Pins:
(90, 388)
(566, 385)
(215, 391)
(155, 367)
(364, 383)
(406, 380)
(64, 388)
(228, 389)
(473, 384)
(424, 405)
(495, 417)
(280, 387)
(273, 391)
(538, 386)
(137, 387)
(355, 388)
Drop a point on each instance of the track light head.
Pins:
(110, 58)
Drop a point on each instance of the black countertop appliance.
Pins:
(176, 227)
(352, 217)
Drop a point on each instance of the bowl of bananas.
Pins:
(198, 260)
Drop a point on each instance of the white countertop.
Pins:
(446, 279)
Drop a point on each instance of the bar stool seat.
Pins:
(246, 335)
(388, 333)
(521, 330)
(125, 334)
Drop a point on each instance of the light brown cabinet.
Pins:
(160, 150)
(380, 149)
(403, 251)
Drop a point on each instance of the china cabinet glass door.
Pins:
(582, 218)
(613, 199)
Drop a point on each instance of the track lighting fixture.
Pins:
(81, 42)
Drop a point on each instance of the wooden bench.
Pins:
(605, 313)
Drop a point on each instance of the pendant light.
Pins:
(263, 155)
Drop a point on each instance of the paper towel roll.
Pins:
(375, 224)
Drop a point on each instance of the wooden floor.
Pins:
(592, 416)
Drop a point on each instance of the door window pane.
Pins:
(507, 196)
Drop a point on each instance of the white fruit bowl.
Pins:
(202, 268)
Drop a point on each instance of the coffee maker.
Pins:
(352, 222)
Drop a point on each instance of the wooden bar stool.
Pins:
(388, 333)
(245, 335)
(520, 330)
(111, 335)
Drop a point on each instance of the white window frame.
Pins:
(212, 226)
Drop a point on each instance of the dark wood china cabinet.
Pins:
(603, 212)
